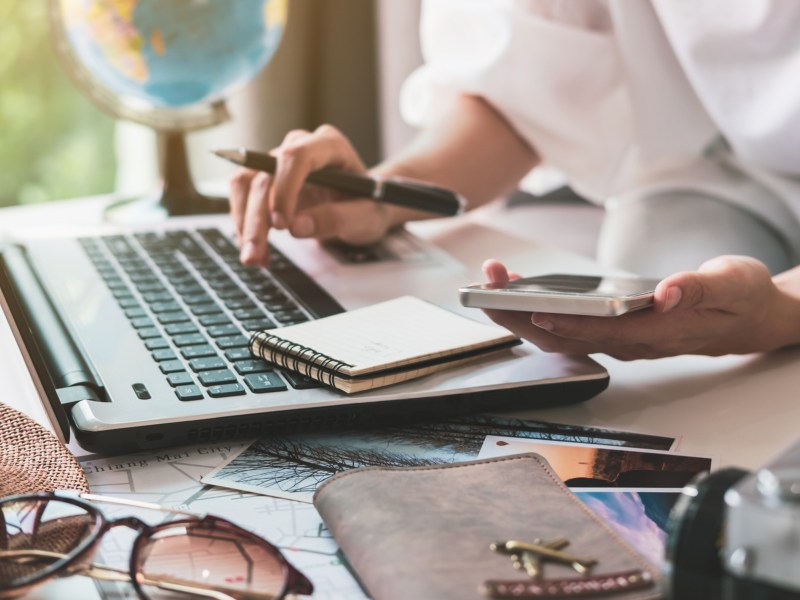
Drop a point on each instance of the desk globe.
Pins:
(167, 64)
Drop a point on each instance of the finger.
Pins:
(254, 250)
(633, 329)
(294, 136)
(642, 334)
(326, 147)
(519, 323)
(239, 189)
(495, 271)
(358, 222)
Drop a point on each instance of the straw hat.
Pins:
(32, 459)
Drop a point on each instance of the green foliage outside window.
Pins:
(54, 143)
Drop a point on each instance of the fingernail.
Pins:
(674, 295)
(303, 226)
(278, 222)
(542, 322)
(248, 252)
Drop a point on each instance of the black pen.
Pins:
(403, 192)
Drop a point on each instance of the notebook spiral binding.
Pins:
(296, 357)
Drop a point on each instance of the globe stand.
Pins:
(178, 195)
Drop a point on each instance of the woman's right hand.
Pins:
(261, 201)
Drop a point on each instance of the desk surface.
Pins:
(741, 409)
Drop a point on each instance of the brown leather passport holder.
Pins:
(426, 532)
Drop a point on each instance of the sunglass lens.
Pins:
(200, 556)
(37, 535)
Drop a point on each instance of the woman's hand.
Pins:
(260, 201)
(731, 305)
(471, 149)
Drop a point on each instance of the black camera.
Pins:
(734, 535)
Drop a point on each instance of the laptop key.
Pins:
(181, 328)
(115, 283)
(175, 316)
(188, 392)
(135, 312)
(121, 293)
(229, 389)
(142, 323)
(210, 308)
(161, 307)
(216, 377)
(255, 365)
(171, 366)
(258, 324)
(164, 354)
(189, 287)
(128, 302)
(236, 304)
(251, 313)
(301, 382)
(192, 299)
(216, 319)
(149, 332)
(199, 351)
(146, 288)
(261, 383)
(232, 341)
(191, 339)
(159, 296)
(158, 343)
(222, 330)
(230, 292)
(207, 364)
(182, 378)
(234, 354)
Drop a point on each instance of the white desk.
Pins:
(742, 410)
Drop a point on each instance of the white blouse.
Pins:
(632, 95)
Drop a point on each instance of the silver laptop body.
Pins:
(90, 311)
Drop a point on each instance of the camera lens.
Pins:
(694, 531)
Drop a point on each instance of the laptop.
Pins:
(137, 337)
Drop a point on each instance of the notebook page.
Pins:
(391, 334)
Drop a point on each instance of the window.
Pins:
(54, 143)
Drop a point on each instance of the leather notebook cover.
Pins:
(425, 532)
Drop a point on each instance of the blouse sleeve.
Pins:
(554, 76)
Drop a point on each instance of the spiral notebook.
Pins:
(381, 344)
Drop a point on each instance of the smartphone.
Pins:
(564, 294)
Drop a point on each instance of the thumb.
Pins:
(715, 284)
(358, 222)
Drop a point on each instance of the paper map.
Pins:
(172, 478)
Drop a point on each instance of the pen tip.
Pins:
(236, 156)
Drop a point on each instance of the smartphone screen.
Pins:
(582, 284)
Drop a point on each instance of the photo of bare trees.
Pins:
(294, 466)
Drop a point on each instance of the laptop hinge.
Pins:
(59, 365)
(73, 394)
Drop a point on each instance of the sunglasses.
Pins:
(55, 535)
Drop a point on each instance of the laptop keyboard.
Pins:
(195, 306)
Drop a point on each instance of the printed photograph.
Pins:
(640, 518)
(585, 466)
(293, 467)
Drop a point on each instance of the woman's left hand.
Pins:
(731, 305)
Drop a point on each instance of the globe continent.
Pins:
(173, 53)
